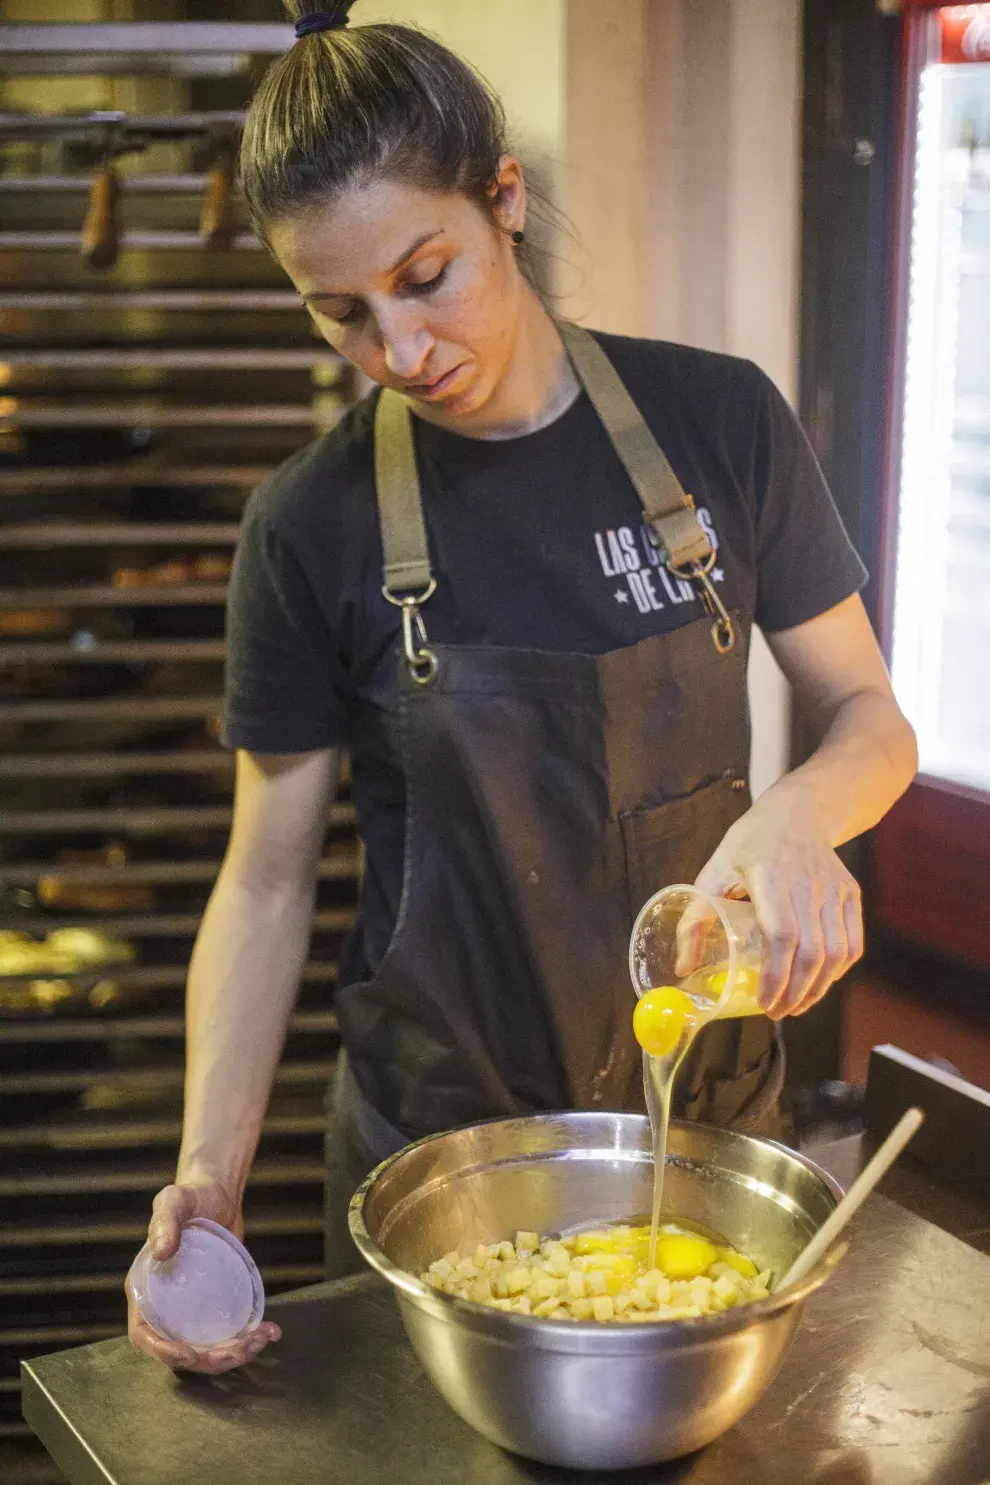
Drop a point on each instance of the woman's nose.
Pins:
(408, 344)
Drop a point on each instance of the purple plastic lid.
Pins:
(209, 1292)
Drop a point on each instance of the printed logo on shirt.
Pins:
(628, 554)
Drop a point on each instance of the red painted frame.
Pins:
(930, 857)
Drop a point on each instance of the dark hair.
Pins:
(343, 107)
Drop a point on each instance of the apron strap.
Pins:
(400, 507)
(670, 513)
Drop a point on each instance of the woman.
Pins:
(545, 700)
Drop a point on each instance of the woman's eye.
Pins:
(427, 286)
(351, 316)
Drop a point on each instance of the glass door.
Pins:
(931, 856)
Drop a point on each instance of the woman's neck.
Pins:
(538, 385)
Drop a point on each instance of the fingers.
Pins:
(852, 917)
(832, 953)
(779, 927)
(181, 1357)
(842, 925)
(812, 935)
(693, 928)
(228, 1357)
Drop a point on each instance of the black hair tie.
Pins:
(321, 20)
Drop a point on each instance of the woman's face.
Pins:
(417, 288)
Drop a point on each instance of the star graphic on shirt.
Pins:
(622, 596)
(718, 575)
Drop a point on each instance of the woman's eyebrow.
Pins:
(399, 263)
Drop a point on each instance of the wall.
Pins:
(682, 144)
(516, 44)
(669, 132)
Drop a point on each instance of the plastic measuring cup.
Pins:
(710, 948)
(207, 1293)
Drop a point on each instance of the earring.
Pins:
(518, 237)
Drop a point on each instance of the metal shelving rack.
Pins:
(139, 405)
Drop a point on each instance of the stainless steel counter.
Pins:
(888, 1383)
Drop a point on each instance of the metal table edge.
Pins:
(68, 1449)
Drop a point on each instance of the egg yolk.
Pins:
(660, 1019)
(684, 1256)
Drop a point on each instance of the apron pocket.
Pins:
(671, 842)
(733, 1075)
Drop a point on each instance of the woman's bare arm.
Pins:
(243, 977)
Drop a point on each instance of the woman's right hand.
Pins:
(172, 1209)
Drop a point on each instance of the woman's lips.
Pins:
(438, 386)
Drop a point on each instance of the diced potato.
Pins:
(599, 1275)
(576, 1284)
(700, 1292)
(544, 1287)
(725, 1290)
(558, 1260)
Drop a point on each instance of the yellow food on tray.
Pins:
(602, 1275)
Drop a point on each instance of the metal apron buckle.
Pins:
(421, 660)
(723, 629)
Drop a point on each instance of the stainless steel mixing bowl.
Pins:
(589, 1395)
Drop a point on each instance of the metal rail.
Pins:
(161, 819)
(139, 472)
(165, 925)
(134, 1230)
(137, 709)
(104, 595)
(36, 535)
(156, 1028)
(24, 413)
(172, 873)
(233, 358)
(160, 1078)
(103, 1134)
(112, 765)
(146, 38)
(172, 300)
(139, 241)
(110, 652)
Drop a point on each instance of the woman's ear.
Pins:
(509, 195)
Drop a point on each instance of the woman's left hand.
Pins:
(808, 905)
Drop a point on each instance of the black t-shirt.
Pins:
(536, 542)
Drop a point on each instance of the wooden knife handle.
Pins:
(217, 222)
(99, 233)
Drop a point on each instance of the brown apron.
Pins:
(548, 796)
